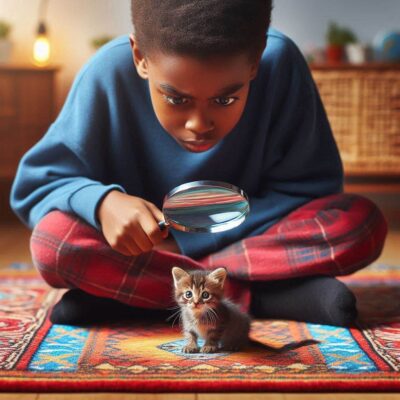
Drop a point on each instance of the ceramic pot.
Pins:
(356, 53)
(334, 54)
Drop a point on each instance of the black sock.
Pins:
(316, 299)
(77, 307)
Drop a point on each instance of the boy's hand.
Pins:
(130, 224)
(169, 244)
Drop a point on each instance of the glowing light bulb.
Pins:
(41, 47)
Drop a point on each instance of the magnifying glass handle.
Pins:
(163, 225)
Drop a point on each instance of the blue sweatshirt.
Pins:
(107, 136)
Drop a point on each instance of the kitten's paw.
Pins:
(209, 349)
(190, 349)
(231, 348)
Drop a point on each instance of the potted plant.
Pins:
(99, 41)
(5, 43)
(337, 38)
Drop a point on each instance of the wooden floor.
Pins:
(14, 247)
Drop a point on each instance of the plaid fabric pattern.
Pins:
(333, 235)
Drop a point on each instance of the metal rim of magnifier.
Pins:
(189, 185)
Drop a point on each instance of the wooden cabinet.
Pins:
(27, 108)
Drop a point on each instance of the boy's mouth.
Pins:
(197, 146)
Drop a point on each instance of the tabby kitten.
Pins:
(206, 314)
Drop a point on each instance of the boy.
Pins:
(200, 91)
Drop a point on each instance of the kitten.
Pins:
(207, 314)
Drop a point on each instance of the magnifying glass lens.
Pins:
(205, 206)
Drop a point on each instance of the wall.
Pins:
(306, 20)
(72, 24)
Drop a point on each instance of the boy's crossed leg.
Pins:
(289, 269)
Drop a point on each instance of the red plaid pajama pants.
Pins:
(333, 235)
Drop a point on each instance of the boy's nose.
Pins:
(199, 124)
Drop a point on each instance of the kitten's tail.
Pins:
(286, 347)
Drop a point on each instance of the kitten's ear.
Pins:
(178, 274)
(219, 275)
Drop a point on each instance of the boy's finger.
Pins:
(141, 239)
(123, 249)
(159, 217)
(165, 232)
(152, 230)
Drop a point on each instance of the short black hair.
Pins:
(201, 28)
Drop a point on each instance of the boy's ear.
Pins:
(255, 65)
(138, 58)
(254, 68)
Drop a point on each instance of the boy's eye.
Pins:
(188, 294)
(205, 295)
(176, 101)
(225, 101)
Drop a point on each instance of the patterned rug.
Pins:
(143, 355)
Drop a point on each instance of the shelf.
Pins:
(11, 67)
(386, 185)
(347, 66)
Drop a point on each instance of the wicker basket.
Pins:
(363, 107)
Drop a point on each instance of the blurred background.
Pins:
(73, 24)
(352, 46)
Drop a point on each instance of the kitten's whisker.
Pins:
(214, 313)
(179, 320)
(176, 315)
(173, 308)
(177, 311)
(210, 316)
(173, 322)
(173, 315)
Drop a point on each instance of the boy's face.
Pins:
(197, 102)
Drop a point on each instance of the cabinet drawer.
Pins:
(26, 111)
(8, 96)
(15, 141)
(35, 98)
(10, 151)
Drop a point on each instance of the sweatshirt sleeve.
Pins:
(301, 161)
(64, 169)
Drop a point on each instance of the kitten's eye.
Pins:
(188, 294)
(205, 295)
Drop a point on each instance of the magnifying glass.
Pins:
(205, 206)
